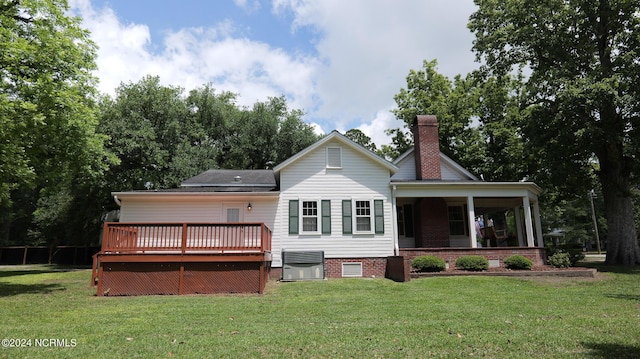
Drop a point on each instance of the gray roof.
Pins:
(232, 181)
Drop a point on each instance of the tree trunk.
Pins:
(622, 239)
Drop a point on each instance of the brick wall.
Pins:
(432, 226)
(427, 147)
(536, 255)
(371, 267)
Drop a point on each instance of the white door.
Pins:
(232, 235)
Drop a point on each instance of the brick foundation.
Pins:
(399, 267)
(371, 267)
(450, 255)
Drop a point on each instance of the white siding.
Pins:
(407, 171)
(309, 179)
(448, 173)
(195, 209)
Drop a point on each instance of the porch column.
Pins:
(527, 221)
(516, 212)
(472, 222)
(536, 214)
(394, 220)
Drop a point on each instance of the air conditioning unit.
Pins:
(302, 265)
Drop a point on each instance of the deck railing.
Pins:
(128, 237)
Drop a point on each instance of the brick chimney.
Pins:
(427, 147)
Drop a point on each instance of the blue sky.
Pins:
(340, 61)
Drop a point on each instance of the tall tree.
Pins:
(158, 136)
(478, 118)
(401, 142)
(48, 143)
(581, 95)
(360, 138)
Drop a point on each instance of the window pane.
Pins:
(363, 224)
(233, 215)
(456, 228)
(456, 221)
(455, 213)
(309, 208)
(400, 214)
(310, 224)
(363, 216)
(309, 216)
(363, 208)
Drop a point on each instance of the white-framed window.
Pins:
(457, 224)
(363, 216)
(309, 216)
(334, 157)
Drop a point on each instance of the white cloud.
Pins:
(364, 50)
(248, 5)
(192, 57)
(368, 47)
(383, 120)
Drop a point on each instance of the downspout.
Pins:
(394, 211)
(117, 200)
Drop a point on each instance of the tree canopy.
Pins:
(64, 147)
(478, 119)
(580, 99)
(48, 143)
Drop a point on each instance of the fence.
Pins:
(62, 255)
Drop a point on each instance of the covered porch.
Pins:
(455, 218)
(182, 258)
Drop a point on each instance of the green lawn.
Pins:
(456, 317)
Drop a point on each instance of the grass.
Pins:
(443, 317)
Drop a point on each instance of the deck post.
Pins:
(184, 238)
(105, 236)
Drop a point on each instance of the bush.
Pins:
(472, 263)
(572, 249)
(518, 262)
(429, 264)
(560, 260)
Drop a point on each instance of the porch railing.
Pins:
(128, 237)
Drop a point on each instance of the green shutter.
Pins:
(326, 216)
(293, 216)
(378, 209)
(347, 224)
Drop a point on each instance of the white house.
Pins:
(357, 209)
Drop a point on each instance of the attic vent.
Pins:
(237, 179)
(303, 265)
(334, 157)
(352, 269)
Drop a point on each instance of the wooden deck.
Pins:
(182, 258)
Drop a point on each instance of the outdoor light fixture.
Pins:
(249, 207)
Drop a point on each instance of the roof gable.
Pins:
(340, 138)
(450, 170)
